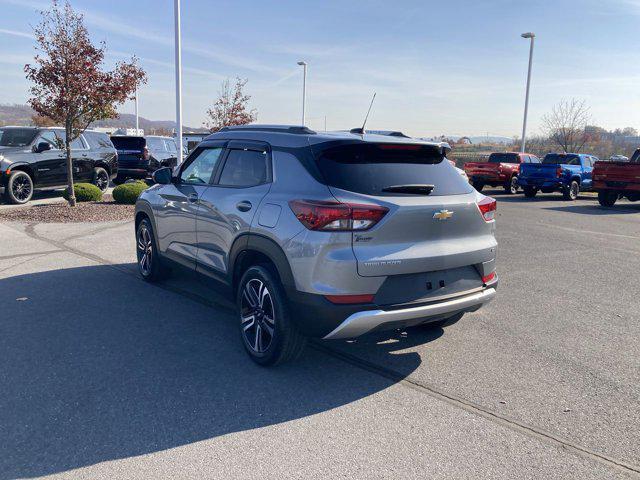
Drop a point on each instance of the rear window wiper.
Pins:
(418, 189)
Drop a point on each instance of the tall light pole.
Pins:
(531, 36)
(137, 122)
(178, 62)
(304, 88)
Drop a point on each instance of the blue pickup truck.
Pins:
(569, 173)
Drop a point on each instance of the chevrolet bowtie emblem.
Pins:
(443, 215)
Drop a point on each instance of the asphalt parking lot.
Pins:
(104, 376)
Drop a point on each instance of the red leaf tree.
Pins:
(69, 85)
(230, 107)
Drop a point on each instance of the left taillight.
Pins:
(336, 216)
(487, 207)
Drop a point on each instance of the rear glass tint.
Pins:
(129, 143)
(504, 158)
(561, 159)
(369, 168)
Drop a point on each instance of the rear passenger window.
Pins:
(244, 168)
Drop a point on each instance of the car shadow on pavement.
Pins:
(98, 365)
(597, 209)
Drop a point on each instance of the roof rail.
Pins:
(298, 130)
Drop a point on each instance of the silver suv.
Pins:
(325, 235)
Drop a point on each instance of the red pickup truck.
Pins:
(502, 169)
(614, 180)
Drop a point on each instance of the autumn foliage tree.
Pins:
(231, 107)
(70, 86)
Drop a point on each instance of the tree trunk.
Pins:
(67, 147)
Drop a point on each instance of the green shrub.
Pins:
(128, 193)
(85, 192)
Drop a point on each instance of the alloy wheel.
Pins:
(257, 316)
(513, 187)
(21, 188)
(145, 250)
(102, 180)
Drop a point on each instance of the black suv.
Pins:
(33, 158)
(139, 157)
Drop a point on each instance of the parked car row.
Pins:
(567, 173)
(33, 158)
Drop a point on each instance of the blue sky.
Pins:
(454, 67)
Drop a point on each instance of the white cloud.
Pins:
(16, 33)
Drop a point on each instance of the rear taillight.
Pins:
(489, 278)
(487, 207)
(336, 216)
(559, 172)
(145, 154)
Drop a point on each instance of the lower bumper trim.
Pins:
(360, 323)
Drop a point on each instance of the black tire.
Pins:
(149, 262)
(530, 192)
(267, 330)
(446, 321)
(478, 185)
(19, 188)
(511, 187)
(572, 192)
(101, 179)
(607, 198)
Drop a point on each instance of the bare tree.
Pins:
(231, 107)
(566, 124)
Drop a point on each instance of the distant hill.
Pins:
(21, 115)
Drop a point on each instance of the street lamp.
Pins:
(531, 36)
(304, 88)
(137, 122)
(178, 62)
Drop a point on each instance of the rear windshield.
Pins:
(504, 158)
(16, 137)
(561, 159)
(129, 143)
(369, 168)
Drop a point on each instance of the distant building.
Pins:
(131, 132)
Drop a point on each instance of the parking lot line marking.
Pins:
(471, 407)
(406, 381)
(618, 235)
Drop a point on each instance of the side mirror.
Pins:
(163, 176)
(42, 147)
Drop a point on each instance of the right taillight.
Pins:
(559, 172)
(145, 154)
(487, 207)
(336, 216)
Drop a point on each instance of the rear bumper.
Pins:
(366, 321)
(316, 317)
(541, 183)
(490, 179)
(134, 172)
(617, 186)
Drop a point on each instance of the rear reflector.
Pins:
(349, 299)
(336, 216)
(487, 207)
(489, 278)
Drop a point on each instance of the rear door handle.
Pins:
(244, 206)
(193, 197)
